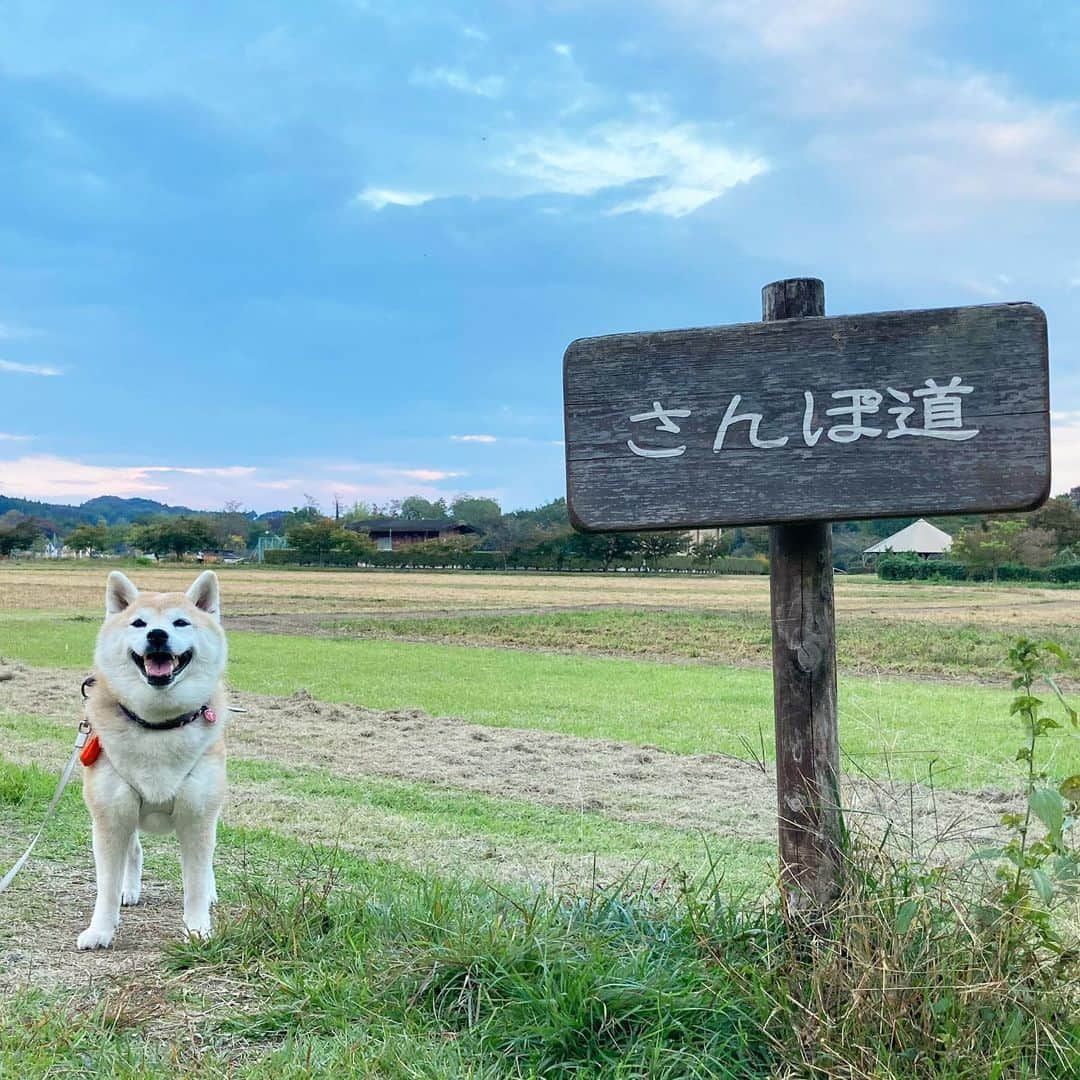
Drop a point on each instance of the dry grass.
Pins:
(72, 588)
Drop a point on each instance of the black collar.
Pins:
(165, 725)
(168, 725)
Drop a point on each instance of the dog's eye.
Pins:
(140, 623)
(181, 622)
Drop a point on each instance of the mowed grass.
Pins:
(78, 586)
(359, 962)
(888, 727)
(864, 645)
(422, 825)
(324, 964)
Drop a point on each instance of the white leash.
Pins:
(65, 776)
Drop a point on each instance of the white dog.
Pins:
(156, 759)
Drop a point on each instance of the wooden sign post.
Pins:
(794, 422)
(804, 674)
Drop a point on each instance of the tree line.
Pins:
(540, 536)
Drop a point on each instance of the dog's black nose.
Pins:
(157, 638)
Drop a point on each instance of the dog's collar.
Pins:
(167, 725)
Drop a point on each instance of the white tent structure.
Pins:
(922, 538)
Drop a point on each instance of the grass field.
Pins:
(71, 588)
(892, 727)
(400, 889)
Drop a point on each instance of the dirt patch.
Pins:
(38, 942)
(712, 792)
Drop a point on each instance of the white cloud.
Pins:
(560, 48)
(959, 143)
(794, 28)
(265, 487)
(487, 86)
(474, 438)
(934, 143)
(391, 472)
(430, 476)
(378, 198)
(673, 202)
(48, 477)
(28, 369)
(8, 437)
(684, 169)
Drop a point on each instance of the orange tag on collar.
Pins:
(91, 751)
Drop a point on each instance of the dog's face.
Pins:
(161, 651)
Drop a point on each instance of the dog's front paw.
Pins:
(92, 938)
(130, 897)
(198, 928)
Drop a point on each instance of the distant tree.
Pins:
(93, 538)
(748, 542)
(416, 508)
(482, 514)
(659, 545)
(18, 532)
(551, 515)
(605, 548)
(230, 526)
(391, 509)
(1035, 547)
(317, 539)
(712, 548)
(988, 546)
(359, 511)
(300, 515)
(1061, 516)
(254, 530)
(177, 536)
(186, 534)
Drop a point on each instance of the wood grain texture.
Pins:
(804, 677)
(804, 706)
(1000, 350)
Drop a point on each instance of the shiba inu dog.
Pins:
(156, 706)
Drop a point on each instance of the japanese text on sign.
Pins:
(855, 418)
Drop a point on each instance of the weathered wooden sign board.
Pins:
(810, 419)
(794, 422)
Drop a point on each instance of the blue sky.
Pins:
(261, 250)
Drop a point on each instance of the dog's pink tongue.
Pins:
(156, 666)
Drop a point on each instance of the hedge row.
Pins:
(497, 560)
(905, 568)
(465, 560)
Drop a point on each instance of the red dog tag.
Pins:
(91, 751)
(211, 716)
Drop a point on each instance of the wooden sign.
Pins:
(810, 419)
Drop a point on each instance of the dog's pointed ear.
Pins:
(204, 593)
(120, 592)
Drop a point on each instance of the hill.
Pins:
(111, 509)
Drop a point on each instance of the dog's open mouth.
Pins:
(160, 668)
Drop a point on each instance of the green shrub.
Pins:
(1020, 572)
(1065, 573)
